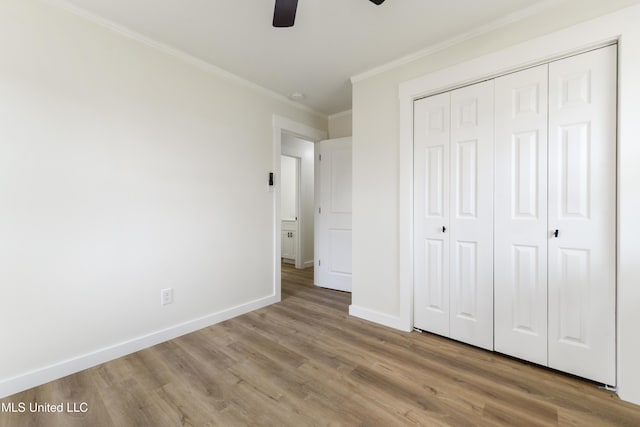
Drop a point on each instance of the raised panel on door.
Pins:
(335, 257)
(582, 207)
(431, 214)
(471, 219)
(520, 242)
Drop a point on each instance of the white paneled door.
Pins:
(521, 214)
(334, 216)
(515, 214)
(472, 215)
(453, 202)
(431, 213)
(582, 213)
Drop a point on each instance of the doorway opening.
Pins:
(297, 141)
(297, 201)
(312, 206)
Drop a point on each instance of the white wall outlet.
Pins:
(166, 296)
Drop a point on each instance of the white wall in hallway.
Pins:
(296, 147)
(289, 188)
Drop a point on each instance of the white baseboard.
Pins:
(307, 264)
(384, 319)
(71, 366)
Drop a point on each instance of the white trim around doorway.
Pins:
(308, 133)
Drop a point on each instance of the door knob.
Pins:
(556, 232)
(444, 229)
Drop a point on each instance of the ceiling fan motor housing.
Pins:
(284, 14)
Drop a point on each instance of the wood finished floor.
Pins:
(305, 362)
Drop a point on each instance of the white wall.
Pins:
(377, 288)
(340, 124)
(123, 170)
(289, 188)
(296, 147)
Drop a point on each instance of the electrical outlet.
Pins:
(166, 296)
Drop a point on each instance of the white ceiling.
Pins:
(331, 41)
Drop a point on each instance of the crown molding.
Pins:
(341, 114)
(179, 54)
(494, 25)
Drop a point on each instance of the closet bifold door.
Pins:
(582, 213)
(431, 214)
(453, 214)
(521, 214)
(471, 215)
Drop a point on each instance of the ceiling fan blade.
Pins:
(284, 14)
(378, 2)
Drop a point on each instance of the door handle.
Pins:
(556, 232)
(444, 229)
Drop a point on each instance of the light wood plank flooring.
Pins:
(305, 362)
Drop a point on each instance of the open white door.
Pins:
(333, 261)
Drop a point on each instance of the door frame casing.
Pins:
(283, 124)
(620, 28)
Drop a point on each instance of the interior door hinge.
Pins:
(320, 157)
(320, 210)
(319, 263)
